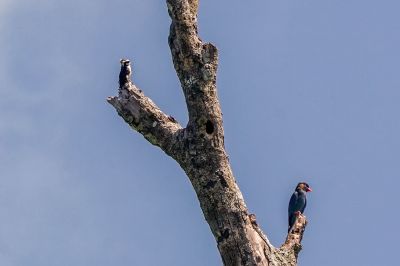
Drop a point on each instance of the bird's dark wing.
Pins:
(293, 202)
(297, 202)
(291, 209)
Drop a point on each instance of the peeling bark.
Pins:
(199, 147)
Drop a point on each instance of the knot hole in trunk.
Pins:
(209, 127)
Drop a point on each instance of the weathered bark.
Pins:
(199, 147)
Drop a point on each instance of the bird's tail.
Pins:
(292, 220)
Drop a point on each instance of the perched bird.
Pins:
(298, 202)
(125, 73)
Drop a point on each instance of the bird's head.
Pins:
(124, 62)
(304, 186)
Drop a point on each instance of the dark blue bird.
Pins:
(298, 202)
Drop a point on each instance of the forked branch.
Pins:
(199, 147)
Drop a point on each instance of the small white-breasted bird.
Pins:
(125, 73)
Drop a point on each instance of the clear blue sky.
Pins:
(309, 91)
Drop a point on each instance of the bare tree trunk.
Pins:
(199, 147)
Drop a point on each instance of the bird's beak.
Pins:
(308, 189)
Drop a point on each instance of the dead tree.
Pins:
(199, 147)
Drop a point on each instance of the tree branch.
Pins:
(145, 117)
(195, 63)
(288, 253)
(295, 235)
